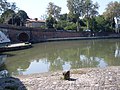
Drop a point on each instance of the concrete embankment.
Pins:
(82, 38)
(81, 79)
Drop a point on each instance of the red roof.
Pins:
(33, 20)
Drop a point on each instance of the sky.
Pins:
(36, 8)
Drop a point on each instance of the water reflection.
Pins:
(38, 66)
(2, 60)
(117, 51)
(64, 55)
(92, 61)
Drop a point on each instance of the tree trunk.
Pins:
(87, 23)
(78, 26)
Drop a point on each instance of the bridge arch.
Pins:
(23, 36)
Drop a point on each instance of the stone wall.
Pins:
(14, 35)
(38, 36)
(25, 34)
(20, 34)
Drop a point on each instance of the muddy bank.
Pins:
(81, 79)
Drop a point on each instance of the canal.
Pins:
(63, 55)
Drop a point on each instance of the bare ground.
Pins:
(81, 79)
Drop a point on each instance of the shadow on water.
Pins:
(8, 55)
(8, 82)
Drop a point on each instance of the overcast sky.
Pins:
(36, 8)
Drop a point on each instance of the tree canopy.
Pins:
(53, 10)
(112, 10)
(11, 17)
(83, 14)
(4, 5)
(7, 15)
(82, 8)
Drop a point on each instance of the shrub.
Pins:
(71, 26)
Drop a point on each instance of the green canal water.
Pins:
(63, 55)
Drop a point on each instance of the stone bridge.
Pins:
(25, 34)
(15, 34)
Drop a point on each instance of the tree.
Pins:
(13, 6)
(75, 8)
(10, 17)
(7, 15)
(90, 10)
(102, 24)
(82, 8)
(71, 26)
(93, 24)
(4, 5)
(53, 10)
(16, 21)
(61, 24)
(23, 16)
(50, 22)
(112, 10)
(7, 11)
(63, 16)
(72, 17)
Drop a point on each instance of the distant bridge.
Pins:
(15, 33)
(25, 34)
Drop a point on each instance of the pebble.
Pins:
(94, 79)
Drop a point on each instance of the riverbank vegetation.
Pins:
(83, 15)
